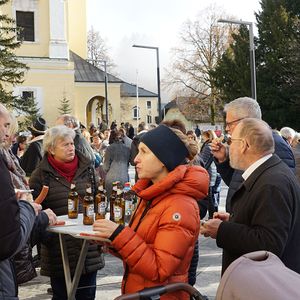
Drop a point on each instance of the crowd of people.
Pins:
(178, 181)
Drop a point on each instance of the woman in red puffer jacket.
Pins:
(158, 244)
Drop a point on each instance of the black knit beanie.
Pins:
(166, 146)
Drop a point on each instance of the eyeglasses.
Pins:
(230, 140)
(229, 124)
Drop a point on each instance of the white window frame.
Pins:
(37, 94)
(28, 6)
(149, 117)
(138, 115)
(148, 106)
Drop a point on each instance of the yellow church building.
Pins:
(55, 50)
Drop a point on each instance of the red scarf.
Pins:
(65, 169)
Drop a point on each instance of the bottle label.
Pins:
(100, 188)
(117, 213)
(72, 186)
(90, 210)
(71, 205)
(89, 190)
(101, 208)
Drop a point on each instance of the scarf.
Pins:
(65, 169)
(17, 174)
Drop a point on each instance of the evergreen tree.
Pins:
(65, 107)
(278, 60)
(11, 70)
(232, 73)
(32, 112)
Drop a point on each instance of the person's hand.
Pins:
(222, 215)
(51, 216)
(218, 150)
(210, 228)
(37, 207)
(104, 228)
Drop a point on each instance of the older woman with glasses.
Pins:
(60, 166)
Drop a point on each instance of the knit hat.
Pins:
(166, 146)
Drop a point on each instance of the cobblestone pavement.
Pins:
(109, 278)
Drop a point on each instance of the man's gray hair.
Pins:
(70, 121)
(244, 107)
(287, 132)
(259, 135)
(54, 134)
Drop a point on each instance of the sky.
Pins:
(123, 23)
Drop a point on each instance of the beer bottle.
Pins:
(112, 199)
(119, 207)
(100, 201)
(73, 202)
(88, 207)
(128, 203)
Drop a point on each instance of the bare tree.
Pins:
(98, 51)
(203, 42)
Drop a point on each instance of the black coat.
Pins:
(265, 216)
(23, 260)
(32, 157)
(16, 221)
(233, 178)
(51, 260)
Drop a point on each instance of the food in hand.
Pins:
(43, 194)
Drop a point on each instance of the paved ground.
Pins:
(109, 278)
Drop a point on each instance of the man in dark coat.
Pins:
(236, 111)
(34, 152)
(265, 212)
(16, 220)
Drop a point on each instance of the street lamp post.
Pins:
(105, 84)
(252, 52)
(158, 77)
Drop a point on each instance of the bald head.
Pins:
(258, 135)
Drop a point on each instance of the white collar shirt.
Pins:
(255, 165)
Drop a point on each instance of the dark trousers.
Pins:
(86, 288)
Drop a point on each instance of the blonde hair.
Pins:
(210, 134)
(191, 145)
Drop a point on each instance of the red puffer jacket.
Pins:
(158, 245)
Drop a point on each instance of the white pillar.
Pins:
(58, 46)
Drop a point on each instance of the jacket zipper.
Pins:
(146, 209)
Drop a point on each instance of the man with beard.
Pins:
(265, 209)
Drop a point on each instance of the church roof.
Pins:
(86, 72)
(129, 90)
